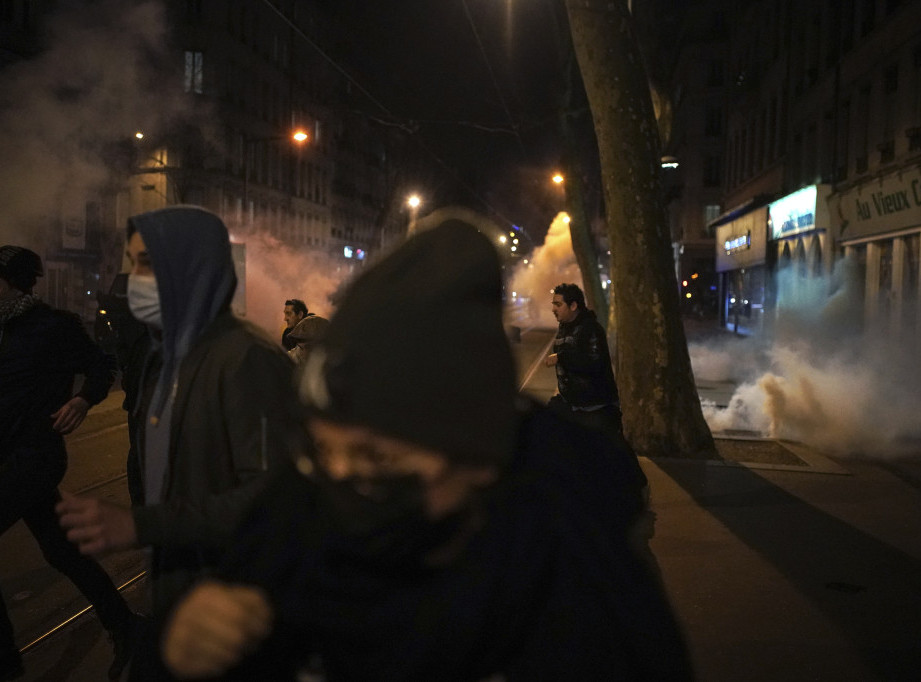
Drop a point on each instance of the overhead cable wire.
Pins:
(414, 134)
(492, 75)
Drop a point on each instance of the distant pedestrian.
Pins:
(295, 311)
(218, 406)
(446, 528)
(585, 377)
(588, 392)
(129, 341)
(307, 334)
(41, 351)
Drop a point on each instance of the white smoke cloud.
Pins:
(550, 264)
(813, 377)
(276, 272)
(94, 85)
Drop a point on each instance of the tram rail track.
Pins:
(76, 616)
(532, 368)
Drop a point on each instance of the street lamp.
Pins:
(557, 179)
(298, 136)
(413, 201)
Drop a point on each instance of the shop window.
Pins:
(910, 282)
(885, 279)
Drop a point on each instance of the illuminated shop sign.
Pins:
(743, 241)
(794, 213)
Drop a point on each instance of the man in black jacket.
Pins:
(585, 379)
(218, 407)
(580, 355)
(445, 528)
(41, 351)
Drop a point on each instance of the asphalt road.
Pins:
(775, 573)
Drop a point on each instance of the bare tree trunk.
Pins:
(662, 413)
(579, 231)
(579, 225)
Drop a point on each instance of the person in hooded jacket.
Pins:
(445, 528)
(218, 408)
(41, 351)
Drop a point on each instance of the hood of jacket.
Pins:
(189, 249)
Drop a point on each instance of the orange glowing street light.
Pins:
(557, 179)
(299, 136)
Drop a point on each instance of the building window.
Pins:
(889, 106)
(713, 121)
(193, 11)
(711, 213)
(712, 171)
(194, 72)
(862, 120)
(842, 151)
(846, 9)
(916, 69)
(715, 73)
(867, 16)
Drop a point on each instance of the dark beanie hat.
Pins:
(417, 350)
(20, 267)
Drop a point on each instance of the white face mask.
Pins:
(144, 299)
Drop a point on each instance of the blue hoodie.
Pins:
(189, 250)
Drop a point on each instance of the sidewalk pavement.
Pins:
(789, 572)
(794, 573)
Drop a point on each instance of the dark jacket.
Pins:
(41, 351)
(223, 402)
(235, 417)
(583, 370)
(548, 588)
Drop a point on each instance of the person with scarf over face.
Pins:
(41, 351)
(218, 406)
(445, 528)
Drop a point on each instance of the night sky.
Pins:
(478, 80)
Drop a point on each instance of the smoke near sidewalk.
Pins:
(813, 377)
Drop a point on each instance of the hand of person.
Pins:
(213, 627)
(96, 526)
(70, 415)
(550, 360)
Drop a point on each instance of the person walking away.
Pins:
(41, 352)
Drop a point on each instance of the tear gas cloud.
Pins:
(276, 272)
(63, 112)
(812, 376)
(809, 375)
(550, 264)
